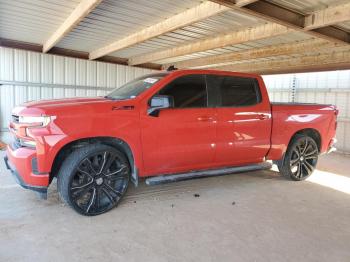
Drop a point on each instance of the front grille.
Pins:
(15, 119)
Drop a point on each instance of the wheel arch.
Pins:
(118, 143)
(310, 132)
(285, 168)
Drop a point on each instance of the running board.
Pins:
(205, 173)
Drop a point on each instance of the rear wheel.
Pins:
(93, 179)
(300, 159)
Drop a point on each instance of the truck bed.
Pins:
(290, 118)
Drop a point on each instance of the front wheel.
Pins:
(300, 159)
(93, 179)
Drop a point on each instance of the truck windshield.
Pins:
(135, 87)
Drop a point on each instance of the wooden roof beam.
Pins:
(271, 13)
(309, 24)
(307, 46)
(328, 16)
(241, 3)
(78, 14)
(252, 34)
(318, 62)
(190, 16)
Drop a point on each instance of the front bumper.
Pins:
(21, 163)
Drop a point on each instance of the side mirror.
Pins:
(159, 102)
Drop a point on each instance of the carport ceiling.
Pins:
(266, 36)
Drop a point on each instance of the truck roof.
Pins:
(207, 71)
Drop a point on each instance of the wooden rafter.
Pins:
(271, 13)
(307, 46)
(238, 37)
(314, 24)
(81, 11)
(244, 2)
(329, 16)
(305, 63)
(190, 16)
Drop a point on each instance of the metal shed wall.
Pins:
(26, 76)
(320, 87)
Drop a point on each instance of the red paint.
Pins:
(178, 140)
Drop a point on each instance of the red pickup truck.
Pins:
(165, 126)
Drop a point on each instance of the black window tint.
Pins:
(236, 91)
(187, 91)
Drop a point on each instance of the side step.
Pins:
(205, 173)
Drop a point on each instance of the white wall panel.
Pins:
(46, 76)
(121, 75)
(6, 64)
(58, 76)
(91, 75)
(111, 76)
(20, 74)
(7, 103)
(69, 75)
(284, 81)
(81, 77)
(36, 76)
(319, 87)
(101, 77)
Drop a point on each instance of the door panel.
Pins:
(243, 135)
(244, 120)
(178, 140)
(181, 138)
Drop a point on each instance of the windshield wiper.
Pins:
(114, 98)
(111, 98)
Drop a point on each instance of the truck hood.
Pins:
(64, 102)
(69, 106)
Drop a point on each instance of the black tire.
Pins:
(300, 159)
(93, 179)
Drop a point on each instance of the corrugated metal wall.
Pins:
(321, 87)
(26, 76)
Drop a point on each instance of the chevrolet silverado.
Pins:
(164, 126)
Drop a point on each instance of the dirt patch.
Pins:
(2, 145)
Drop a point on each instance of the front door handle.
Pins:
(205, 118)
(263, 116)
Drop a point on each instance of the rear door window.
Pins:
(235, 91)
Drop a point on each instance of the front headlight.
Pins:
(27, 143)
(35, 120)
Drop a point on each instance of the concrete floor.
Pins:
(256, 216)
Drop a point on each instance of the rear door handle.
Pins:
(205, 118)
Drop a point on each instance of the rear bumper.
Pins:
(331, 147)
(21, 162)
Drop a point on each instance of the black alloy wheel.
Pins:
(94, 179)
(300, 159)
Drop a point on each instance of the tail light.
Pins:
(336, 113)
